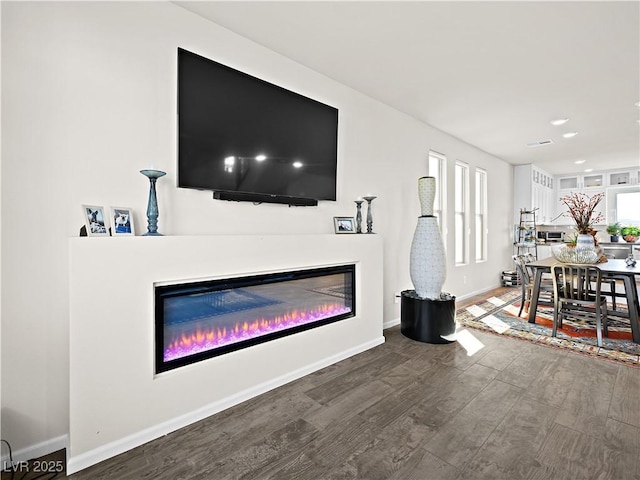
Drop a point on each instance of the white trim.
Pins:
(478, 292)
(396, 321)
(112, 449)
(36, 451)
(391, 323)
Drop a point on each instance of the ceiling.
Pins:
(493, 74)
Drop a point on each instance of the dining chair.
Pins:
(526, 282)
(578, 294)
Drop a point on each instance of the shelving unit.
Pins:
(526, 233)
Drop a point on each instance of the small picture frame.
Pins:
(95, 221)
(344, 224)
(122, 222)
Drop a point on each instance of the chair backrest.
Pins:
(520, 262)
(573, 281)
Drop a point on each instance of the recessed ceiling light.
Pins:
(588, 169)
(559, 121)
(579, 162)
(637, 104)
(569, 134)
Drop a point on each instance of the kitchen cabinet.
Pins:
(591, 180)
(590, 184)
(533, 190)
(619, 178)
(595, 180)
(623, 177)
(568, 183)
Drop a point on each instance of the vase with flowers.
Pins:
(582, 209)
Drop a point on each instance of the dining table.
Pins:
(616, 269)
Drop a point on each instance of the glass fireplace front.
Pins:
(196, 321)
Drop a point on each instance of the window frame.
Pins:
(439, 161)
(461, 213)
(481, 215)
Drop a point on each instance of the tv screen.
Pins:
(238, 133)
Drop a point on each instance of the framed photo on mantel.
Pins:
(122, 222)
(94, 221)
(344, 224)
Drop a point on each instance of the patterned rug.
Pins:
(499, 315)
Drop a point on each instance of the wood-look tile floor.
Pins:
(408, 410)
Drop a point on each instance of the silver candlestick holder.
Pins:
(152, 205)
(358, 215)
(369, 199)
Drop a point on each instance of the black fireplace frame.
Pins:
(163, 291)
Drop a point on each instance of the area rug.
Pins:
(499, 315)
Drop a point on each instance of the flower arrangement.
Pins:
(581, 209)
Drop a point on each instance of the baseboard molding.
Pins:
(478, 292)
(396, 321)
(391, 323)
(36, 451)
(87, 459)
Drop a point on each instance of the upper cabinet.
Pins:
(533, 190)
(536, 189)
(568, 183)
(609, 178)
(590, 184)
(623, 177)
(578, 182)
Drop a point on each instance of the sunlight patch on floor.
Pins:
(467, 341)
(513, 310)
(495, 323)
(476, 311)
(496, 301)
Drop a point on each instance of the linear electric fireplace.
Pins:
(200, 320)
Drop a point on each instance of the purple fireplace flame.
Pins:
(200, 320)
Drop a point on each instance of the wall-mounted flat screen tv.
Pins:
(248, 139)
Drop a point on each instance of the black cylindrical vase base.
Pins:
(426, 320)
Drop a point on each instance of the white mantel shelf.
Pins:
(116, 400)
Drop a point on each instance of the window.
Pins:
(622, 204)
(627, 208)
(437, 169)
(461, 208)
(481, 215)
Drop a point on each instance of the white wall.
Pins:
(116, 400)
(88, 99)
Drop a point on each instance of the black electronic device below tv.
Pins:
(250, 140)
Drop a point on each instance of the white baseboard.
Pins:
(35, 451)
(478, 292)
(391, 323)
(84, 460)
(396, 321)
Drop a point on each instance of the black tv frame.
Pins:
(258, 197)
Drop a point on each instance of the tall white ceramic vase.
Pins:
(427, 262)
